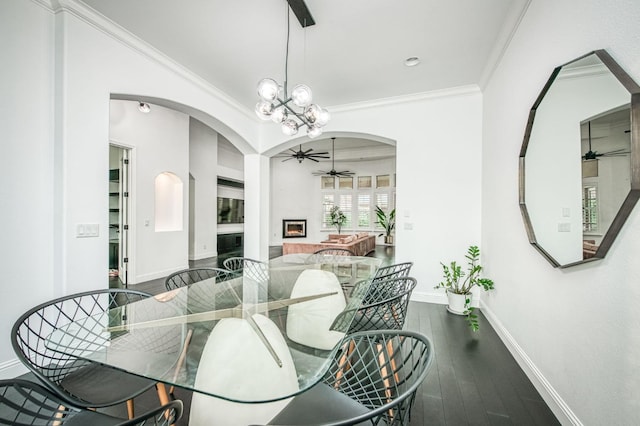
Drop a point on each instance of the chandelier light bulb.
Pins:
(314, 131)
(312, 112)
(289, 127)
(264, 109)
(268, 89)
(279, 115)
(301, 95)
(323, 118)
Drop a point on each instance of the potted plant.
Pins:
(337, 218)
(459, 283)
(387, 222)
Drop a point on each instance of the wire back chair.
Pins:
(372, 380)
(254, 269)
(194, 275)
(87, 384)
(397, 270)
(27, 403)
(384, 307)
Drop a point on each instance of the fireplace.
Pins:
(294, 228)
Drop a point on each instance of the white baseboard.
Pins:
(158, 274)
(551, 397)
(439, 298)
(204, 255)
(429, 297)
(12, 368)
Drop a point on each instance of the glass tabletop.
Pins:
(264, 335)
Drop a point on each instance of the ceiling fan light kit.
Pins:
(292, 111)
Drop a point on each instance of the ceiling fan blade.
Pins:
(313, 159)
(307, 151)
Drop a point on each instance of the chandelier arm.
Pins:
(300, 117)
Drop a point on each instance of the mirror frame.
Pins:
(634, 193)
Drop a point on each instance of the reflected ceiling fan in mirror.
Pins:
(333, 171)
(302, 155)
(593, 155)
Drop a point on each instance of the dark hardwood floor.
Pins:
(474, 380)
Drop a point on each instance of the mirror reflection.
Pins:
(577, 150)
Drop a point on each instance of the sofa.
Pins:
(360, 244)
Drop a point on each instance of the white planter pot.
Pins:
(457, 302)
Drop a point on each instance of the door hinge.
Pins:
(125, 227)
(125, 260)
(126, 161)
(126, 194)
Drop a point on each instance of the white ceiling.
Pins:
(354, 53)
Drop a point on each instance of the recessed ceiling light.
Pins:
(412, 61)
(144, 107)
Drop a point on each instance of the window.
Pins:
(364, 182)
(382, 200)
(327, 182)
(345, 182)
(590, 208)
(358, 205)
(383, 181)
(347, 208)
(327, 203)
(364, 210)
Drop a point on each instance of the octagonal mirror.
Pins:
(580, 160)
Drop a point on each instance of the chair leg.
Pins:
(130, 411)
(383, 372)
(343, 363)
(181, 359)
(163, 396)
(59, 415)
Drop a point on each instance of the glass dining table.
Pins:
(264, 335)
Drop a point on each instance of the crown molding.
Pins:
(471, 89)
(503, 42)
(98, 21)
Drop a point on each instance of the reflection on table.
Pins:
(256, 338)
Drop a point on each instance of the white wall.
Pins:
(28, 194)
(203, 161)
(576, 329)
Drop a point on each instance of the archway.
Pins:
(299, 192)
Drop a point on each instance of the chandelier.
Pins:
(292, 111)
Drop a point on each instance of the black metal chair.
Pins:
(87, 384)
(27, 403)
(194, 275)
(384, 306)
(372, 380)
(397, 270)
(254, 269)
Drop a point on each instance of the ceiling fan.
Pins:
(333, 171)
(593, 155)
(302, 155)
